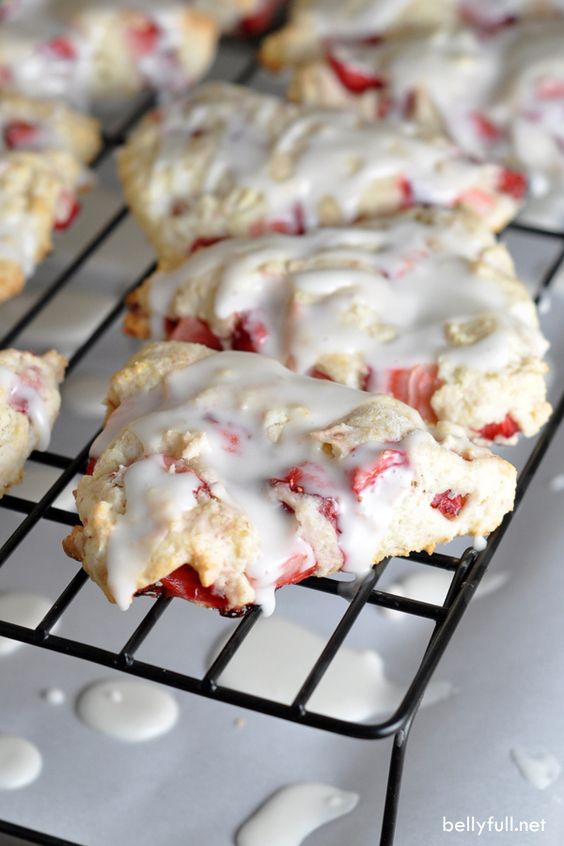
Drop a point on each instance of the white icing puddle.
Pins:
(131, 711)
(20, 762)
(84, 395)
(54, 326)
(277, 655)
(538, 767)
(25, 609)
(431, 585)
(37, 481)
(291, 814)
(556, 484)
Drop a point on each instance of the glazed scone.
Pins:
(222, 476)
(103, 50)
(37, 196)
(27, 123)
(315, 24)
(29, 405)
(425, 307)
(226, 160)
(499, 97)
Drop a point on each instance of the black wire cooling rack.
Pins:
(467, 570)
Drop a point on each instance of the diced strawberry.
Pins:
(308, 479)
(192, 330)
(315, 373)
(449, 504)
(18, 403)
(549, 88)
(406, 192)
(366, 379)
(260, 20)
(354, 79)
(62, 48)
(229, 434)
(505, 428)
(294, 224)
(202, 243)
(69, 214)
(477, 199)
(143, 37)
(20, 133)
(485, 128)
(512, 182)
(249, 333)
(364, 477)
(180, 466)
(91, 464)
(415, 386)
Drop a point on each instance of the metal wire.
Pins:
(467, 569)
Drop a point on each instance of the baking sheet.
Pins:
(198, 783)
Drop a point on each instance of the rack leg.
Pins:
(393, 787)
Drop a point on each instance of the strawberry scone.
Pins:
(29, 405)
(37, 197)
(220, 477)
(228, 161)
(498, 97)
(27, 123)
(315, 25)
(425, 307)
(102, 50)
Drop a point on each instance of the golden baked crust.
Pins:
(425, 306)
(354, 453)
(29, 405)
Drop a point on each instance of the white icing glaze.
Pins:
(229, 397)
(131, 711)
(53, 696)
(479, 543)
(539, 767)
(292, 813)
(20, 762)
(21, 389)
(283, 154)
(485, 91)
(384, 294)
(24, 609)
(277, 655)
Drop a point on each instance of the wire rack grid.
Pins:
(467, 569)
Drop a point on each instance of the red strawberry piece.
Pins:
(202, 243)
(261, 19)
(315, 373)
(549, 88)
(229, 434)
(415, 386)
(20, 133)
(294, 224)
(91, 464)
(477, 199)
(512, 182)
(309, 479)
(72, 208)
(193, 330)
(249, 333)
(61, 48)
(18, 403)
(406, 192)
(143, 37)
(449, 504)
(365, 477)
(356, 80)
(485, 128)
(505, 428)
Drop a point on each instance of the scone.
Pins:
(27, 123)
(228, 161)
(29, 405)
(315, 24)
(499, 97)
(222, 476)
(424, 307)
(103, 50)
(37, 196)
